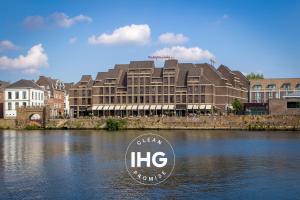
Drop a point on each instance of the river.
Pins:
(84, 164)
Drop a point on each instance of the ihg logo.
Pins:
(150, 159)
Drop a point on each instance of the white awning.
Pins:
(105, 107)
(94, 107)
(196, 107)
(111, 107)
(134, 107)
(100, 108)
(165, 107)
(123, 107)
(141, 107)
(129, 107)
(158, 107)
(190, 107)
(146, 107)
(171, 107)
(152, 107)
(208, 107)
(202, 107)
(117, 107)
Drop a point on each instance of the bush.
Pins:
(115, 124)
(32, 127)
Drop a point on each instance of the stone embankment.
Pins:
(264, 122)
(204, 122)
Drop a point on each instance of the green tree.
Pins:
(237, 106)
(253, 76)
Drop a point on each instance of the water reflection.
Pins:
(90, 165)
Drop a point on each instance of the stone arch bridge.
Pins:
(39, 115)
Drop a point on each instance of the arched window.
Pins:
(35, 117)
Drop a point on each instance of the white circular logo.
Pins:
(149, 159)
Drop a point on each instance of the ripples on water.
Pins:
(90, 165)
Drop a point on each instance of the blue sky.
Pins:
(250, 36)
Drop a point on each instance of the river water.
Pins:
(76, 164)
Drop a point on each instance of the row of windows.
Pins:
(152, 99)
(83, 92)
(285, 86)
(23, 94)
(147, 80)
(24, 104)
(148, 90)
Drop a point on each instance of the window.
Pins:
(32, 95)
(153, 99)
(298, 86)
(24, 95)
(293, 104)
(24, 104)
(256, 87)
(172, 80)
(190, 99)
(202, 98)
(172, 99)
(271, 87)
(286, 86)
(17, 95)
(9, 106)
(202, 88)
(172, 89)
(257, 97)
(17, 105)
(9, 95)
(166, 99)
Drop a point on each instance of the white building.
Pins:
(22, 93)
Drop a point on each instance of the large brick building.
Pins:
(139, 88)
(80, 97)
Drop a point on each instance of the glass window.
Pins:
(271, 87)
(17, 104)
(202, 98)
(24, 104)
(293, 104)
(24, 95)
(9, 95)
(17, 95)
(9, 105)
(257, 87)
(286, 86)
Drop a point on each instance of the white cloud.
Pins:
(185, 54)
(7, 45)
(62, 20)
(171, 38)
(72, 40)
(30, 63)
(59, 19)
(131, 34)
(34, 22)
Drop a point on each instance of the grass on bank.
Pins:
(115, 124)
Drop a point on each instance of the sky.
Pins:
(66, 39)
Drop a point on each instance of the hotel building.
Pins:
(139, 88)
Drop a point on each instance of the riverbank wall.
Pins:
(262, 122)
